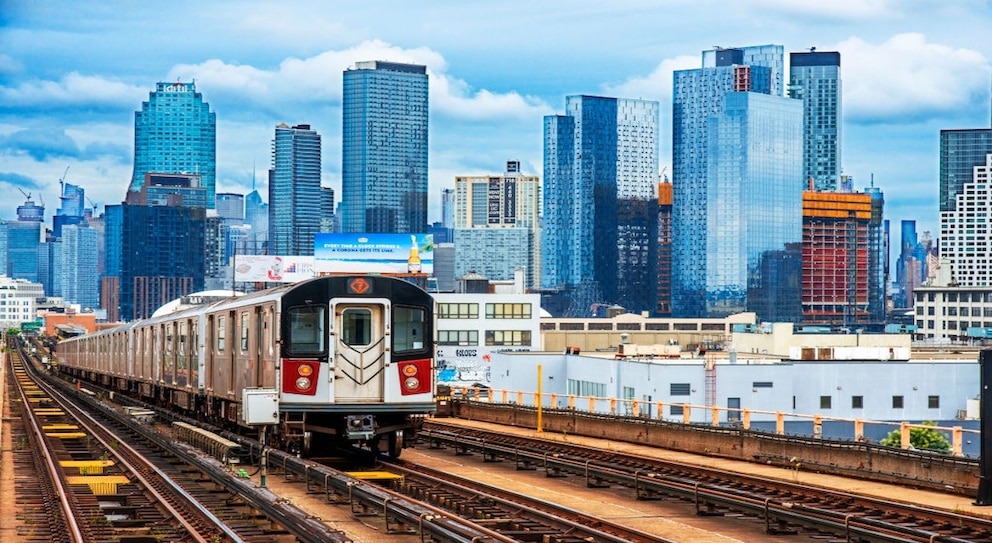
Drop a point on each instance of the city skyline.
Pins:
(910, 69)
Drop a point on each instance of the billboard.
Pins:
(272, 268)
(376, 253)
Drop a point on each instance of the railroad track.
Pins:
(510, 513)
(105, 489)
(169, 476)
(784, 507)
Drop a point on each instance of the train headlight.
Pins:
(305, 370)
(303, 383)
(410, 370)
(411, 383)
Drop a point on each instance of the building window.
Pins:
(572, 326)
(601, 326)
(634, 326)
(933, 402)
(897, 402)
(676, 410)
(458, 311)
(458, 337)
(686, 326)
(548, 326)
(656, 326)
(680, 389)
(761, 384)
(508, 311)
(857, 402)
(825, 402)
(508, 337)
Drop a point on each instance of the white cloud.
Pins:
(73, 89)
(907, 78)
(658, 84)
(838, 10)
(319, 79)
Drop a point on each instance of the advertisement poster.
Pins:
(272, 268)
(377, 253)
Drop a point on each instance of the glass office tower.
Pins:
(737, 166)
(175, 132)
(384, 148)
(814, 78)
(600, 167)
(294, 190)
(960, 152)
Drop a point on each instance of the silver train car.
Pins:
(352, 359)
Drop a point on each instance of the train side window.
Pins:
(409, 327)
(244, 332)
(357, 326)
(306, 329)
(221, 327)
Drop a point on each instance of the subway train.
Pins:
(351, 359)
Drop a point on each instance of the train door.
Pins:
(168, 362)
(231, 355)
(256, 349)
(360, 352)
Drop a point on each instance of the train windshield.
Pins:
(306, 329)
(409, 327)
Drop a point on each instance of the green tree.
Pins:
(924, 439)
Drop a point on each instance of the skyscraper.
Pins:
(510, 201)
(965, 236)
(72, 210)
(23, 238)
(257, 216)
(294, 190)
(175, 132)
(600, 167)
(231, 207)
(960, 152)
(80, 277)
(155, 248)
(384, 148)
(814, 78)
(843, 280)
(737, 195)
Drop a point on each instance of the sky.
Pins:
(72, 74)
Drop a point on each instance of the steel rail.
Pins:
(551, 513)
(651, 481)
(55, 473)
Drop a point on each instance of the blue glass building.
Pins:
(294, 190)
(960, 151)
(175, 132)
(814, 78)
(72, 210)
(600, 161)
(155, 254)
(384, 148)
(737, 191)
(22, 239)
(80, 265)
(256, 216)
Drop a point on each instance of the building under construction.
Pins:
(843, 256)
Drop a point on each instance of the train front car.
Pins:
(356, 362)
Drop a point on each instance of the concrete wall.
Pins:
(806, 454)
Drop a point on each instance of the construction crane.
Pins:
(62, 179)
(27, 195)
(92, 203)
